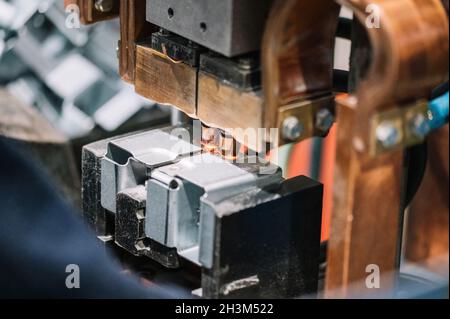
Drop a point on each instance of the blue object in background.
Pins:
(438, 111)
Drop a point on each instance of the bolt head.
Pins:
(420, 126)
(292, 128)
(388, 134)
(324, 120)
(104, 5)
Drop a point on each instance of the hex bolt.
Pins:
(104, 5)
(292, 128)
(420, 126)
(388, 134)
(324, 120)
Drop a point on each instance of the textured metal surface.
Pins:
(267, 244)
(129, 231)
(95, 215)
(229, 27)
(129, 219)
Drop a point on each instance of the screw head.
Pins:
(292, 128)
(420, 126)
(324, 120)
(388, 134)
(104, 5)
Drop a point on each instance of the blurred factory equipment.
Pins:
(68, 74)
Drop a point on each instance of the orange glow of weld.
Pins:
(230, 158)
(243, 149)
(209, 147)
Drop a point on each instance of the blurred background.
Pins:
(60, 88)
